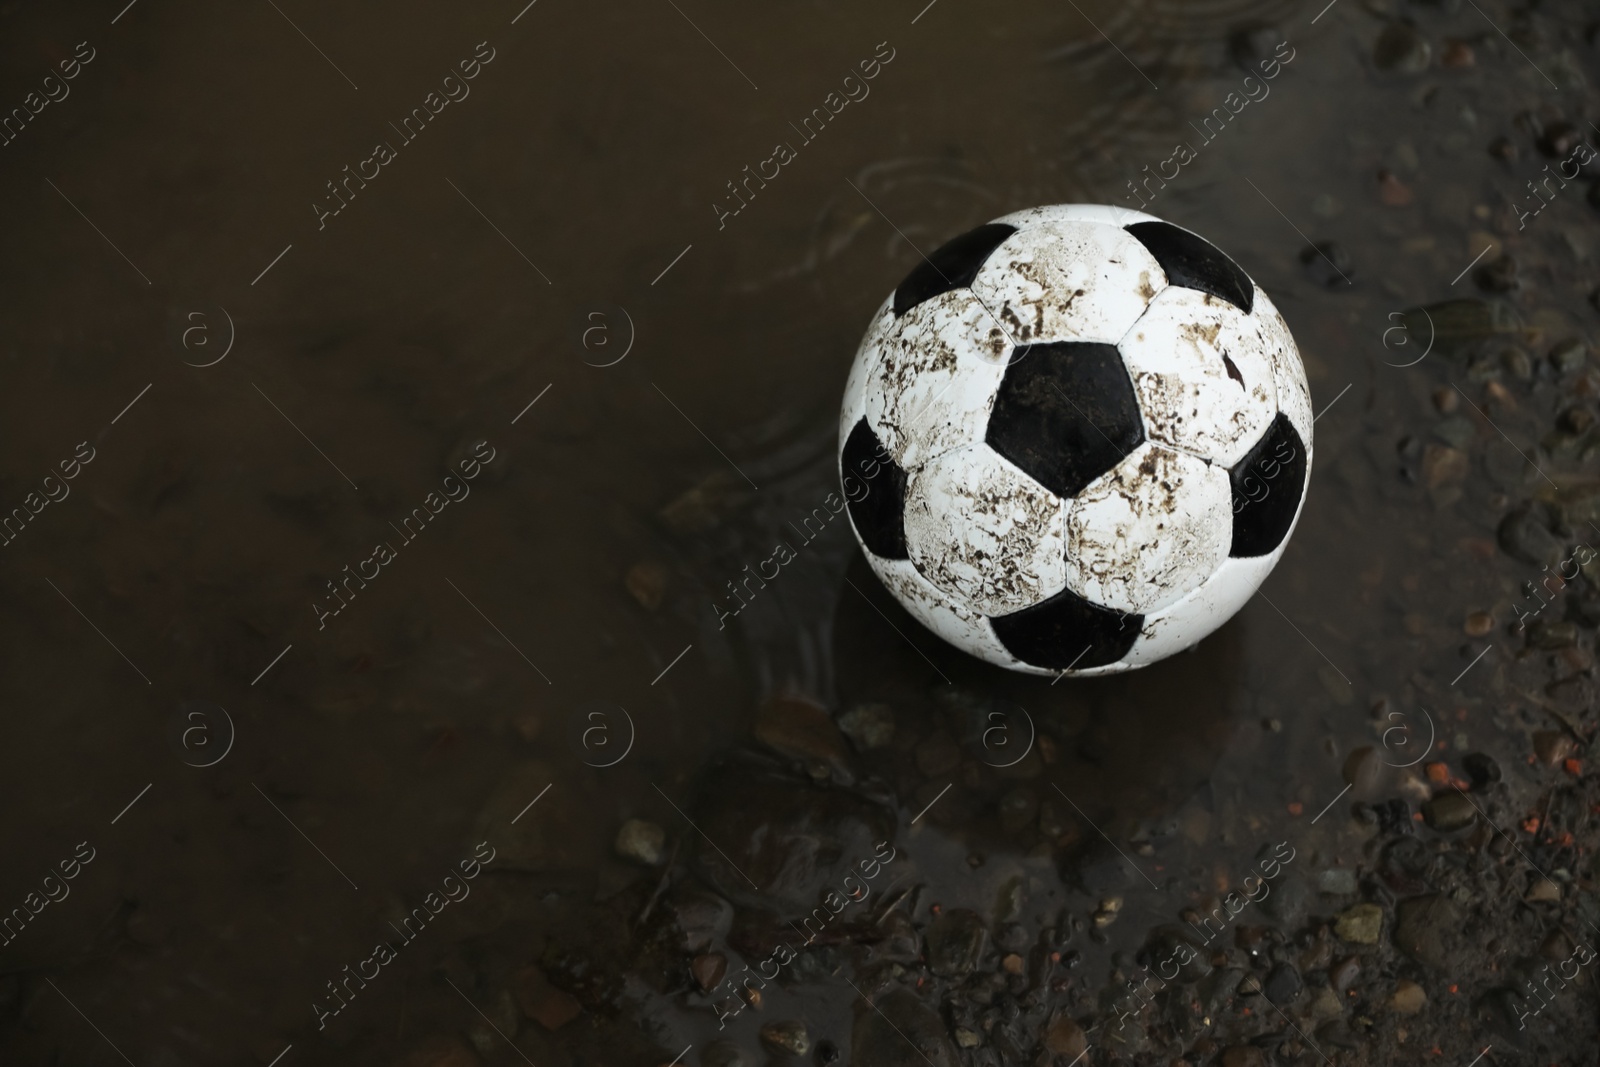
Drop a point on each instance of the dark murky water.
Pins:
(276, 340)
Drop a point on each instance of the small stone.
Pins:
(1392, 191)
(641, 841)
(967, 1038)
(1401, 48)
(1337, 882)
(802, 731)
(646, 583)
(1325, 1005)
(1360, 925)
(1363, 771)
(1456, 54)
(1327, 263)
(1552, 746)
(1559, 139)
(1543, 891)
(1481, 769)
(1446, 401)
(1497, 275)
(1448, 812)
(1408, 998)
(1064, 1037)
(1442, 465)
(1569, 354)
(1526, 538)
(722, 1054)
(787, 1035)
(1577, 419)
(1552, 635)
(546, 1005)
(1012, 963)
(1478, 623)
(868, 726)
(1251, 44)
(956, 941)
(708, 969)
(1248, 986)
(1283, 984)
(1344, 974)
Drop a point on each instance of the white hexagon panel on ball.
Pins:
(1075, 440)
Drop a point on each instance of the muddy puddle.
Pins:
(427, 378)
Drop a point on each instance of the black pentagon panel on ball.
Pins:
(1267, 485)
(952, 266)
(879, 513)
(1193, 262)
(1067, 632)
(1065, 413)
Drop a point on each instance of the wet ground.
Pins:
(522, 796)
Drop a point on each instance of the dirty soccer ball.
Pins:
(1075, 440)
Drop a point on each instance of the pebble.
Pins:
(1497, 275)
(1363, 771)
(1525, 537)
(546, 1005)
(1481, 769)
(803, 731)
(967, 1038)
(1442, 465)
(708, 969)
(787, 1035)
(1249, 45)
(1550, 636)
(1408, 998)
(1338, 882)
(1457, 54)
(1543, 891)
(1344, 974)
(722, 1054)
(647, 583)
(956, 940)
(1325, 1005)
(1448, 812)
(1360, 924)
(1569, 354)
(868, 726)
(1392, 191)
(1064, 1036)
(1552, 746)
(1283, 984)
(641, 841)
(1400, 48)
(1478, 623)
